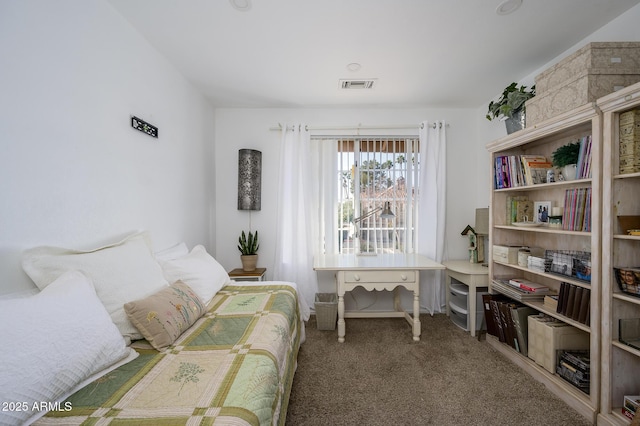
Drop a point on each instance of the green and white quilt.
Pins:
(235, 366)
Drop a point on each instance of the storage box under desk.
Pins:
(546, 338)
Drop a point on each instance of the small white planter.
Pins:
(569, 171)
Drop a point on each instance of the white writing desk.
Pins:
(380, 272)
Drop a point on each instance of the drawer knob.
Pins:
(404, 277)
(356, 277)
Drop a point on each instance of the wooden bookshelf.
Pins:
(620, 196)
(543, 139)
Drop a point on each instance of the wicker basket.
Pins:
(628, 280)
(326, 305)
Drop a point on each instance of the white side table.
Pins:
(473, 275)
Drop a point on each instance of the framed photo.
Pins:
(542, 210)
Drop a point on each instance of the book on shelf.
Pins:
(577, 210)
(528, 285)
(504, 308)
(520, 316)
(583, 168)
(502, 286)
(629, 145)
(492, 326)
(574, 302)
(507, 320)
(519, 209)
(511, 171)
(551, 301)
(538, 172)
(533, 165)
(512, 207)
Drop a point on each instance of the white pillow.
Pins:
(172, 252)
(51, 342)
(120, 273)
(199, 271)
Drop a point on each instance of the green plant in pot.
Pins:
(248, 246)
(510, 106)
(566, 159)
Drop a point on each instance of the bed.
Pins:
(230, 360)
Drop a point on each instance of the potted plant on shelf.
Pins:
(566, 159)
(510, 106)
(248, 246)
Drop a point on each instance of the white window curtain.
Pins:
(297, 235)
(432, 208)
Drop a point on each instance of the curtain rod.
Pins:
(360, 127)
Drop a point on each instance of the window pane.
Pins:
(384, 171)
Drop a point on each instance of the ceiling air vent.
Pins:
(357, 84)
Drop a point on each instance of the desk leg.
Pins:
(341, 324)
(416, 316)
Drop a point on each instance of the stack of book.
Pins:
(527, 285)
(504, 286)
(574, 302)
(507, 320)
(630, 141)
(577, 210)
(573, 366)
(631, 405)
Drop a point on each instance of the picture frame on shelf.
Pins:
(542, 211)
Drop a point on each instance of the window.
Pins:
(373, 172)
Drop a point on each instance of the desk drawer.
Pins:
(379, 276)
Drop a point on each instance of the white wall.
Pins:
(73, 172)
(249, 128)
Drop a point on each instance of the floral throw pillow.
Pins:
(162, 317)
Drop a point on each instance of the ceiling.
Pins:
(292, 53)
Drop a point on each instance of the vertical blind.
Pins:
(372, 171)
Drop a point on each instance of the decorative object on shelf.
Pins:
(144, 127)
(477, 235)
(510, 106)
(249, 179)
(555, 222)
(628, 279)
(566, 158)
(542, 210)
(476, 245)
(248, 246)
(526, 223)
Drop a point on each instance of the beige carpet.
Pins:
(379, 376)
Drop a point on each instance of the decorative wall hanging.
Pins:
(144, 127)
(249, 179)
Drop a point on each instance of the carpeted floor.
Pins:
(379, 376)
